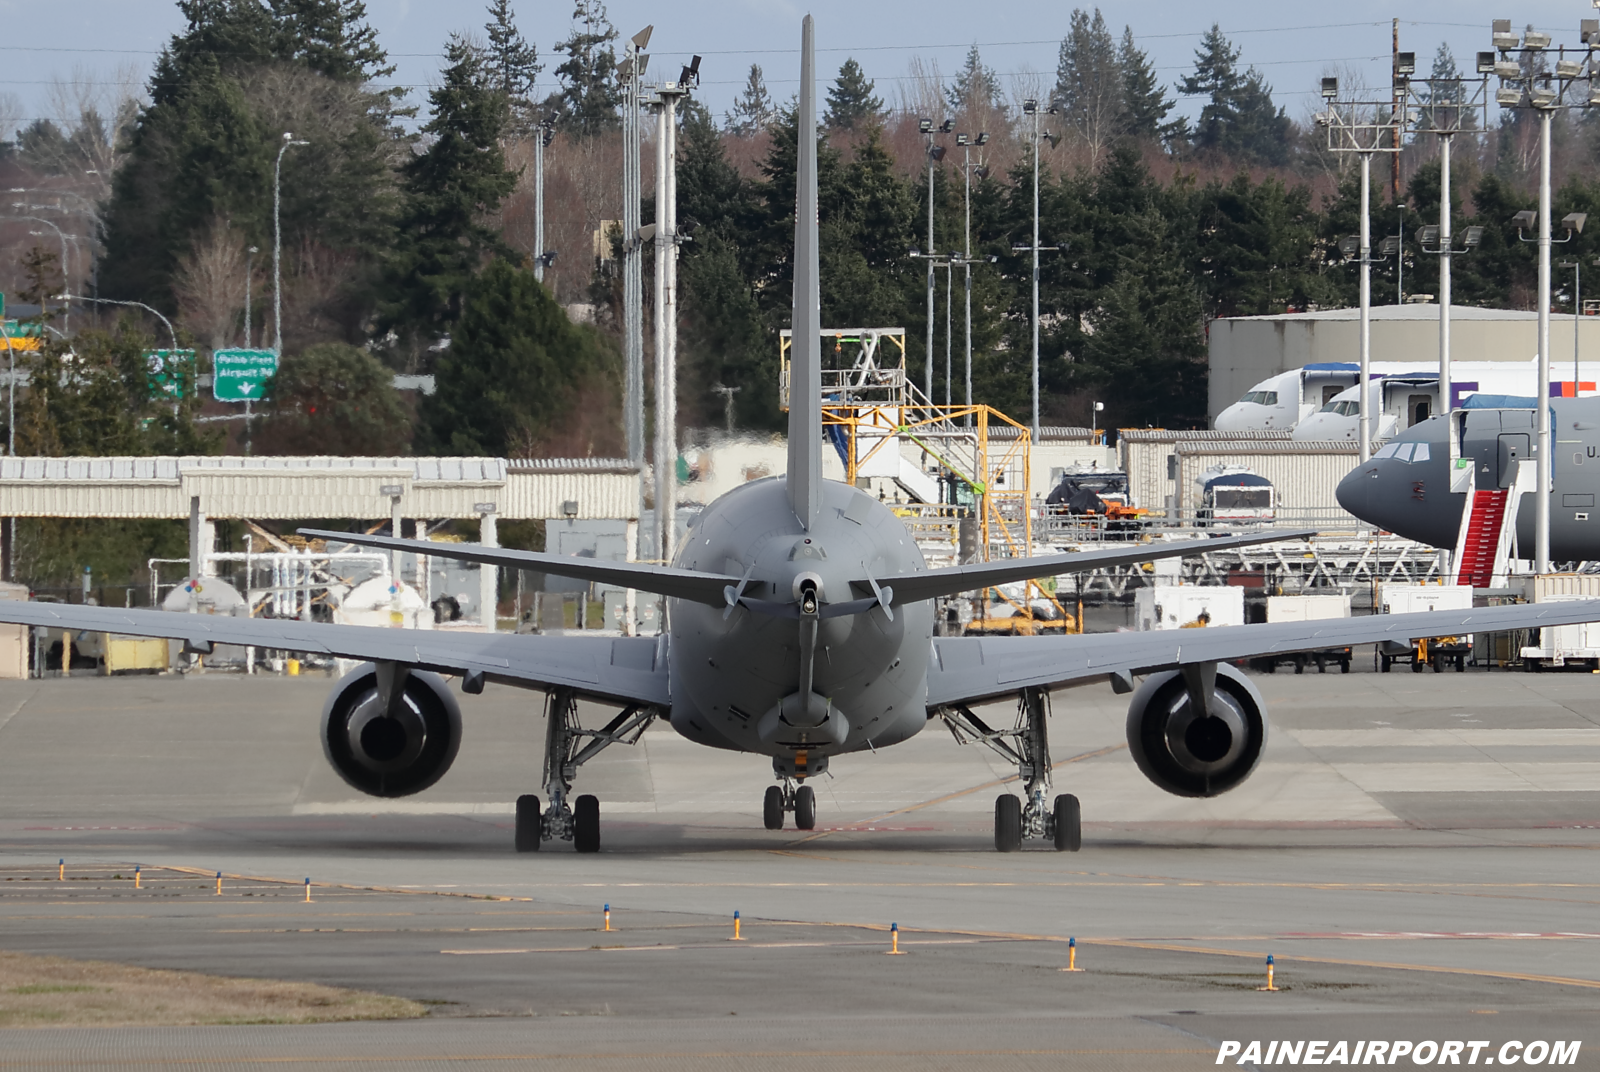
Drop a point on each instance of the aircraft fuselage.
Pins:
(731, 675)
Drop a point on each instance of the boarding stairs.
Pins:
(1488, 526)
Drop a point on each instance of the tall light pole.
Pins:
(1361, 127)
(277, 242)
(1524, 86)
(966, 172)
(543, 135)
(667, 239)
(1031, 107)
(935, 153)
(249, 282)
(631, 70)
(1577, 311)
(135, 304)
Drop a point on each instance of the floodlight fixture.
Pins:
(1503, 38)
(1053, 139)
(691, 72)
(1574, 221)
(1486, 63)
(961, 139)
(1030, 106)
(1330, 88)
(1323, 119)
(924, 126)
(1594, 94)
(1509, 97)
(1389, 246)
(1472, 238)
(936, 153)
(625, 70)
(983, 138)
(982, 171)
(1541, 96)
(1406, 63)
(647, 232)
(1535, 40)
(641, 40)
(1349, 245)
(913, 252)
(1589, 32)
(1508, 69)
(1569, 69)
(1525, 219)
(947, 126)
(1428, 235)
(644, 64)
(546, 259)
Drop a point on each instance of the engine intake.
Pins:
(384, 756)
(1192, 756)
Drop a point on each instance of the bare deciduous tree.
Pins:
(210, 285)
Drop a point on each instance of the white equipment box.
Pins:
(1187, 606)
(1307, 608)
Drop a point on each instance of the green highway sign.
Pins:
(167, 369)
(242, 375)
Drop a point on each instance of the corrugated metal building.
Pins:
(1162, 466)
(317, 487)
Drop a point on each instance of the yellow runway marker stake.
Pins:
(1269, 985)
(1072, 955)
(219, 883)
(736, 937)
(608, 917)
(308, 891)
(136, 880)
(61, 875)
(894, 941)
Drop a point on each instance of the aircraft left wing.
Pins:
(968, 669)
(622, 668)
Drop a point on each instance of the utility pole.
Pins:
(935, 154)
(277, 248)
(632, 69)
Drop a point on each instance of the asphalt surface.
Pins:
(1418, 852)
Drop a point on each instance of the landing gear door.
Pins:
(1515, 448)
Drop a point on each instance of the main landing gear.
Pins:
(801, 800)
(565, 750)
(1028, 746)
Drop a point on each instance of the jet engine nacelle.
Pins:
(384, 756)
(1196, 757)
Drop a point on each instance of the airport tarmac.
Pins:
(1417, 851)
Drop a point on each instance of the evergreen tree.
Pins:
(1144, 101)
(976, 88)
(590, 94)
(851, 100)
(450, 189)
(1089, 83)
(519, 374)
(1239, 119)
(1445, 95)
(222, 94)
(334, 398)
(515, 62)
(753, 110)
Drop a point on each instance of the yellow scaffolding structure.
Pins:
(870, 406)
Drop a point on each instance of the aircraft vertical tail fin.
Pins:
(805, 355)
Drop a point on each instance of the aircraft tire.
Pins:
(1069, 824)
(772, 808)
(530, 828)
(1007, 823)
(805, 808)
(586, 824)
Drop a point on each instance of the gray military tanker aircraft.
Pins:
(1406, 488)
(800, 628)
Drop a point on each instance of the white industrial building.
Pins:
(1245, 350)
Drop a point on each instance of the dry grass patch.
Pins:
(57, 992)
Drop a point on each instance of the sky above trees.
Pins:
(1292, 47)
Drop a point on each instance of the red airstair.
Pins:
(1480, 539)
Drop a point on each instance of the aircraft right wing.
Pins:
(968, 669)
(631, 669)
(930, 584)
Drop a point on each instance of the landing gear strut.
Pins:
(1028, 746)
(801, 800)
(565, 750)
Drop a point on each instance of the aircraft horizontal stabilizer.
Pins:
(692, 585)
(930, 584)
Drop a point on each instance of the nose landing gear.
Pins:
(786, 798)
(1028, 746)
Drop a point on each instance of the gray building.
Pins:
(1245, 350)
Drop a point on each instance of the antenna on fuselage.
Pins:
(805, 364)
